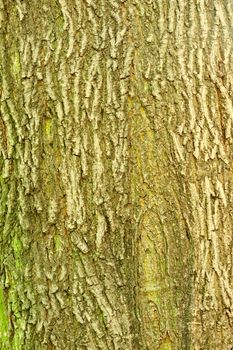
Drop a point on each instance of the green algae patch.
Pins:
(48, 130)
(16, 66)
(48, 126)
(16, 344)
(58, 243)
(17, 246)
(19, 324)
(3, 322)
(166, 344)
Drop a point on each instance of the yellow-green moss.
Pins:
(57, 243)
(16, 66)
(17, 343)
(3, 322)
(48, 126)
(17, 246)
(166, 344)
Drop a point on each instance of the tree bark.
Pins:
(116, 176)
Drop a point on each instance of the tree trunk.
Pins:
(116, 175)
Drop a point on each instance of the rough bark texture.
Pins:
(116, 175)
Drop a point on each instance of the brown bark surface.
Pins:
(116, 175)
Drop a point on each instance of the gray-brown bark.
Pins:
(184, 87)
(116, 147)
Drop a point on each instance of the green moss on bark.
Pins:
(3, 322)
